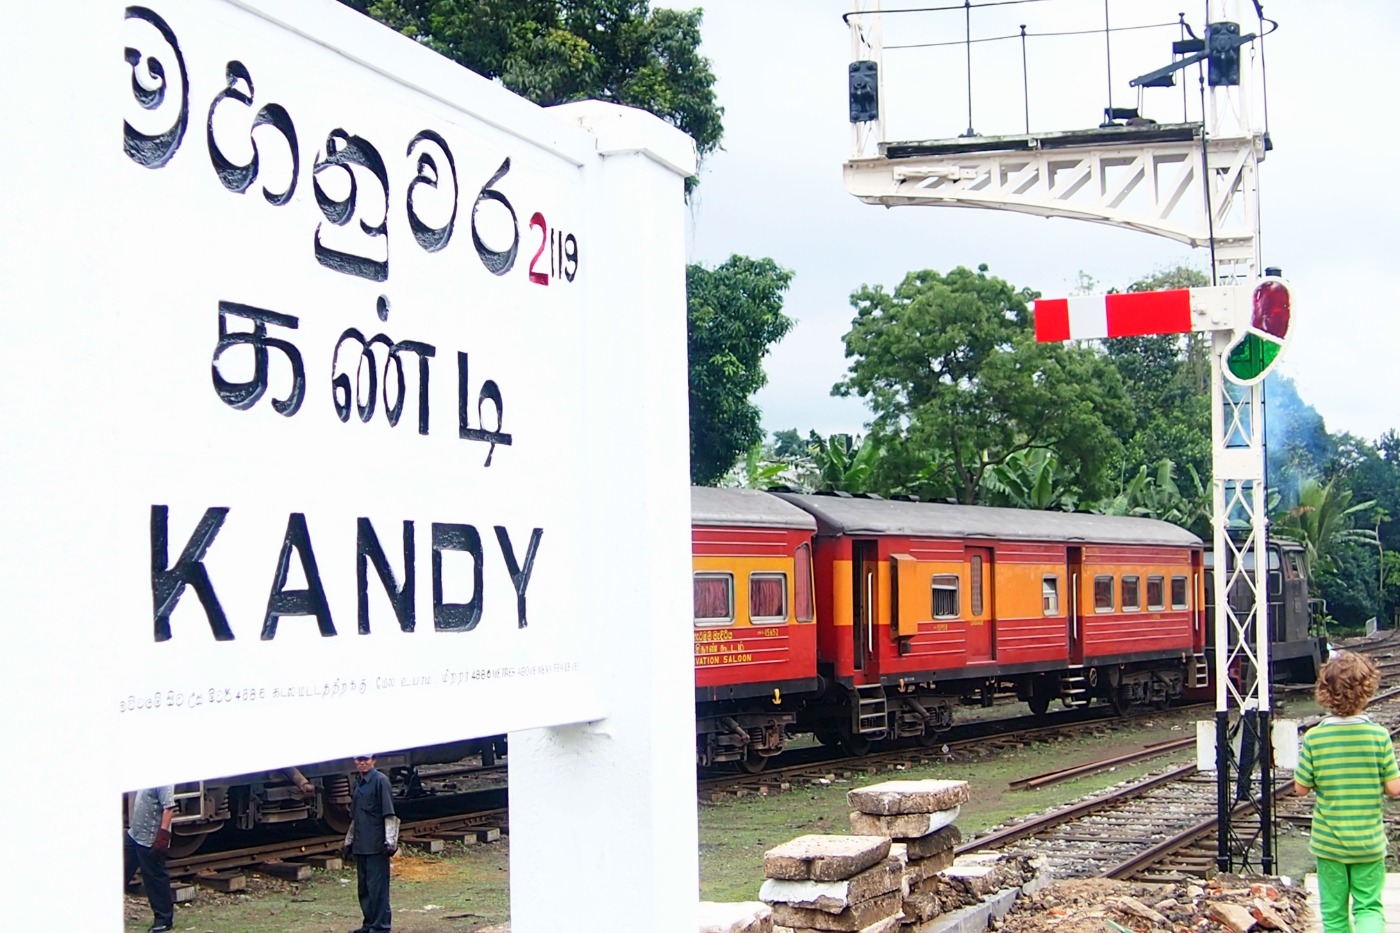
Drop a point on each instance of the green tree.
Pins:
(789, 443)
(949, 365)
(735, 316)
(556, 51)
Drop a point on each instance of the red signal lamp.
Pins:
(1272, 308)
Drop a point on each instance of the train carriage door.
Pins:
(864, 588)
(1074, 571)
(981, 635)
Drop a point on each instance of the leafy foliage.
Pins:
(1156, 494)
(735, 316)
(556, 51)
(1322, 522)
(1028, 479)
(949, 365)
(844, 464)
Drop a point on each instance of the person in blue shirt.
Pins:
(144, 845)
(372, 839)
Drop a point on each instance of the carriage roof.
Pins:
(710, 506)
(868, 516)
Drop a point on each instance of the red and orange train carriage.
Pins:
(923, 606)
(755, 622)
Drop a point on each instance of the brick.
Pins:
(893, 798)
(977, 879)
(818, 857)
(919, 869)
(888, 925)
(853, 919)
(920, 908)
(904, 826)
(740, 917)
(836, 896)
(936, 843)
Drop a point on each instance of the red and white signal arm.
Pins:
(1260, 318)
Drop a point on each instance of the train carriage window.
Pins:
(714, 598)
(1156, 596)
(1178, 592)
(945, 596)
(975, 583)
(1132, 594)
(1103, 594)
(1295, 565)
(803, 570)
(1050, 595)
(768, 597)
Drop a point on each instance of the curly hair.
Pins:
(1346, 683)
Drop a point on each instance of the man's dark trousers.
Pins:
(154, 878)
(373, 872)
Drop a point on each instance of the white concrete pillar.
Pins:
(603, 815)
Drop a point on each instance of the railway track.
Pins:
(1160, 829)
(995, 737)
(295, 858)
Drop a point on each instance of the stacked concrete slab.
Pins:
(848, 884)
(918, 816)
(741, 917)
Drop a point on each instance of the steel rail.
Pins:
(1057, 817)
(1065, 774)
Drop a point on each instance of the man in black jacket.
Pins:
(373, 839)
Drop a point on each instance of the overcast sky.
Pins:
(1329, 211)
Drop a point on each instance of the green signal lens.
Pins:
(1252, 357)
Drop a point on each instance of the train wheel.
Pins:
(185, 846)
(828, 738)
(857, 746)
(1118, 700)
(1039, 703)
(928, 738)
(752, 762)
(335, 819)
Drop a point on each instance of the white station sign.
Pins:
(346, 412)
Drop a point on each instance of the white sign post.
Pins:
(343, 391)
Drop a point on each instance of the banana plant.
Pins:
(1029, 479)
(1322, 521)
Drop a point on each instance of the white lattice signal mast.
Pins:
(1194, 182)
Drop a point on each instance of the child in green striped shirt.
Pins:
(1348, 761)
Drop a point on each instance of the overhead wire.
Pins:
(1029, 35)
(846, 17)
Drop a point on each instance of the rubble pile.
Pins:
(1225, 904)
